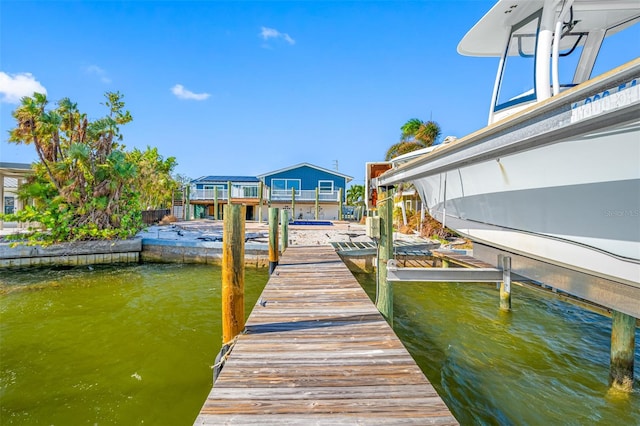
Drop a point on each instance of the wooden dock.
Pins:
(317, 352)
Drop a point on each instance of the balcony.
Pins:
(245, 192)
(237, 192)
(305, 195)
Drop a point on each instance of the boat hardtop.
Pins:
(489, 35)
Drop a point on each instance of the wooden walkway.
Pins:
(319, 353)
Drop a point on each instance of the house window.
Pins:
(9, 205)
(325, 186)
(285, 184)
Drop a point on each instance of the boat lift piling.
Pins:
(623, 329)
(384, 288)
(621, 372)
(505, 285)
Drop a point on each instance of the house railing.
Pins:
(304, 195)
(252, 192)
(236, 192)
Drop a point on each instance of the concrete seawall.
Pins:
(75, 253)
(208, 252)
(128, 251)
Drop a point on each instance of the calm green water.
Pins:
(113, 345)
(135, 344)
(545, 363)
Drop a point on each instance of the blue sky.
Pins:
(243, 88)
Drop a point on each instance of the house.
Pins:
(12, 175)
(309, 192)
(210, 193)
(312, 192)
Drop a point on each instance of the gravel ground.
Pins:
(301, 235)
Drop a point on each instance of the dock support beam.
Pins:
(623, 329)
(274, 255)
(505, 285)
(384, 290)
(284, 230)
(233, 272)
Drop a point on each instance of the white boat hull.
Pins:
(572, 203)
(558, 182)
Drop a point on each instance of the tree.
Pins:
(154, 180)
(355, 195)
(415, 134)
(85, 186)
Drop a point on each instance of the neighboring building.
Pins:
(209, 193)
(296, 187)
(12, 175)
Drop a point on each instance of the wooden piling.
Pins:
(186, 203)
(273, 239)
(317, 215)
(505, 285)
(340, 204)
(293, 203)
(260, 202)
(228, 192)
(233, 272)
(384, 290)
(623, 329)
(284, 230)
(215, 202)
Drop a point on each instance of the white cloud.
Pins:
(268, 33)
(181, 92)
(97, 71)
(15, 87)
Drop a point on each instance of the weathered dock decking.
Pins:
(317, 352)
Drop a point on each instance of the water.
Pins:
(113, 345)
(545, 363)
(135, 345)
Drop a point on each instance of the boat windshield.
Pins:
(569, 59)
(618, 48)
(517, 83)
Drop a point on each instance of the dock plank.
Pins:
(316, 351)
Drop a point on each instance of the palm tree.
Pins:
(355, 195)
(416, 134)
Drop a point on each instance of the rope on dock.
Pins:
(222, 357)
